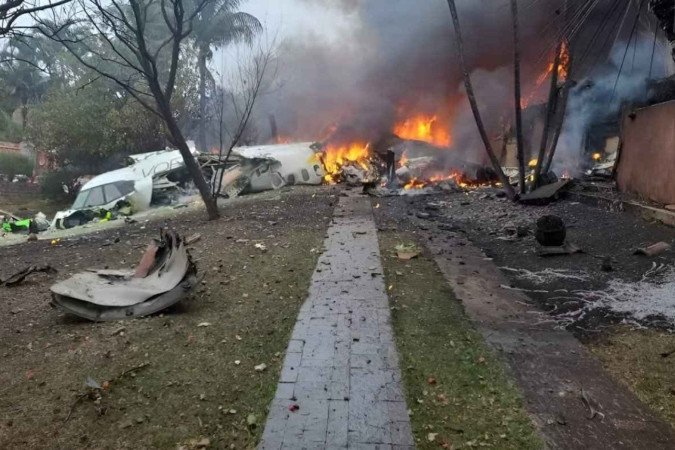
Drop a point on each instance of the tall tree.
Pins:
(137, 44)
(11, 11)
(474, 105)
(217, 25)
(90, 127)
(23, 78)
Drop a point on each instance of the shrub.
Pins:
(14, 164)
(52, 184)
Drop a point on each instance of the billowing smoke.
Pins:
(599, 99)
(399, 59)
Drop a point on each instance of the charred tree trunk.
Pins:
(560, 121)
(550, 110)
(562, 111)
(519, 108)
(474, 105)
(201, 66)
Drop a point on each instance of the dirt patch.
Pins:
(26, 206)
(200, 380)
(645, 361)
(457, 390)
(505, 232)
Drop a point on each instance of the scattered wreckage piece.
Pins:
(18, 277)
(546, 194)
(10, 223)
(654, 250)
(566, 249)
(165, 275)
(406, 252)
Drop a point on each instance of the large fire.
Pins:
(454, 175)
(563, 73)
(336, 156)
(563, 68)
(424, 128)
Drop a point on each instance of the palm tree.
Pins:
(24, 81)
(217, 25)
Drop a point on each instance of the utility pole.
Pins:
(519, 110)
(510, 192)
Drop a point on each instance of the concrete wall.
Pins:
(647, 162)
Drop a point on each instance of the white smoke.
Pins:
(621, 81)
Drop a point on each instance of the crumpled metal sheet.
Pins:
(164, 276)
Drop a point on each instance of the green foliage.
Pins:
(52, 185)
(94, 126)
(13, 164)
(10, 131)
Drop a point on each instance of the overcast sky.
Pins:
(297, 17)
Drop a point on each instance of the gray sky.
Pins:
(284, 18)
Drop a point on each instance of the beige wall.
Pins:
(647, 162)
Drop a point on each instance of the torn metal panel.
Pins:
(546, 194)
(268, 167)
(289, 164)
(163, 277)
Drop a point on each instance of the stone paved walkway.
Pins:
(341, 366)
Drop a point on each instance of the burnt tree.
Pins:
(550, 111)
(138, 45)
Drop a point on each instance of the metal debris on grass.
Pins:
(165, 275)
(407, 252)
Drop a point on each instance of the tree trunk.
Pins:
(560, 119)
(201, 66)
(519, 110)
(474, 105)
(550, 110)
(190, 162)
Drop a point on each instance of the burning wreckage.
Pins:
(392, 166)
(389, 167)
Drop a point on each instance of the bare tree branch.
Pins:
(12, 10)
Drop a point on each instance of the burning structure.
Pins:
(395, 74)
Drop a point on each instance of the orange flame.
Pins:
(404, 161)
(334, 157)
(563, 68)
(424, 128)
(454, 175)
(563, 73)
(414, 184)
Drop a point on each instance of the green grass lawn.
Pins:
(457, 390)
